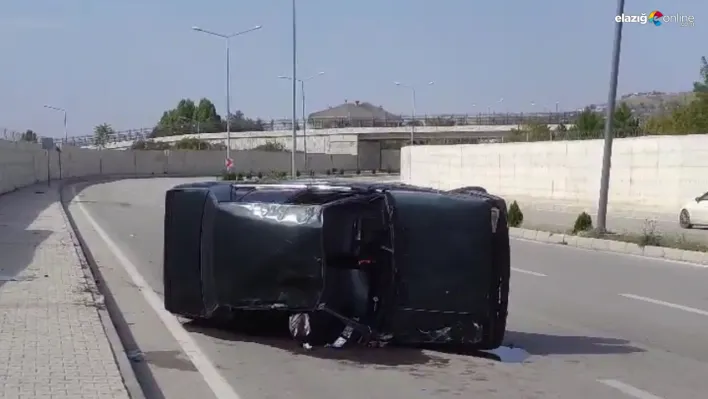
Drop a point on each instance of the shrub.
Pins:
(329, 172)
(229, 176)
(240, 176)
(341, 171)
(271, 146)
(373, 171)
(260, 175)
(334, 170)
(249, 175)
(582, 223)
(297, 173)
(515, 217)
(649, 234)
(358, 171)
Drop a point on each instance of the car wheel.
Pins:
(685, 219)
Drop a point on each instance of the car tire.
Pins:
(685, 219)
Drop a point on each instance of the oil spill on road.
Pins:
(508, 354)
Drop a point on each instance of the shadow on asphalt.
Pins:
(18, 210)
(545, 344)
(518, 346)
(280, 339)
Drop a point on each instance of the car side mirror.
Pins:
(698, 199)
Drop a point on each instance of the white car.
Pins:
(694, 212)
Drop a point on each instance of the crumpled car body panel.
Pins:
(380, 262)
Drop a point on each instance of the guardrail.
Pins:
(494, 119)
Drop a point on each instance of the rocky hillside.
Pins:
(650, 103)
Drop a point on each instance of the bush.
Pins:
(329, 172)
(271, 146)
(297, 173)
(240, 176)
(260, 175)
(515, 217)
(358, 171)
(341, 171)
(249, 175)
(649, 234)
(582, 223)
(373, 171)
(229, 176)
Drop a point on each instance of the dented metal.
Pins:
(346, 262)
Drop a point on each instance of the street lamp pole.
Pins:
(293, 168)
(228, 76)
(412, 89)
(66, 132)
(607, 150)
(304, 121)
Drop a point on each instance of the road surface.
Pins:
(595, 325)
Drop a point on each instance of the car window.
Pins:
(703, 197)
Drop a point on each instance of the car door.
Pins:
(700, 215)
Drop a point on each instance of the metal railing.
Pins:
(494, 119)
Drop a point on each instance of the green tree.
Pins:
(588, 125)
(150, 145)
(624, 123)
(192, 143)
(29, 136)
(101, 134)
(688, 118)
(206, 117)
(239, 123)
(702, 87)
(177, 121)
(534, 131)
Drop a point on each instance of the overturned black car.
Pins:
(342, 261)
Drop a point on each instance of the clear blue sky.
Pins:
(124, 62)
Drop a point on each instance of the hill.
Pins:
(647, 104)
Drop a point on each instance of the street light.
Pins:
(412, 89)
(607, 151)
(304, 122)
(66, 134)
(228, 77)
(293, 169)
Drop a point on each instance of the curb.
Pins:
(694, 257)
(113, 323)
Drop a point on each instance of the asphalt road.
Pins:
(595, 325)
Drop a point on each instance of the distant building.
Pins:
(356, 114)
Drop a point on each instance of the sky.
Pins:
(124, 62)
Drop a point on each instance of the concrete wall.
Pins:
(652, 173)
(22, 164)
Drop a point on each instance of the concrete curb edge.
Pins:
(109, 314)
(694, 257)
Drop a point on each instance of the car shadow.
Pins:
(389, 356)
(547, 344)
(517, 347)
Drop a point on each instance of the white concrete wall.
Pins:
(652, 173)
(22, 164)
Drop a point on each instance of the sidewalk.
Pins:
(52, 340)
